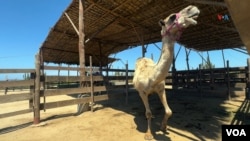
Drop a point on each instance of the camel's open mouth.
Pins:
(192, 18)
(195, 15)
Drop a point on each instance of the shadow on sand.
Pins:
(242, 116)
(199, 116)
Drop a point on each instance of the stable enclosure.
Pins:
(218, 82)
(85, 36)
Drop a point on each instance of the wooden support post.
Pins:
(152, 56)
(223, 58)
(187, 75)
(42, 81)
(81, 49)
(58, 74)
(187, 57)
(32, 90)
(36, 105)
(211, 78)
(143, 50)
(248, 79)
(107, 75)
(101, 56)
(143, 45)
(228, 82)
(211, 72)
(68, 75)
(81, 41)
(91, 83)
(126, 65)
(200, 80)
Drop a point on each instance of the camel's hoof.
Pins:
(148, 136)
(163, 128)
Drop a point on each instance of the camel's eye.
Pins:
(189, 9)
(172, 18)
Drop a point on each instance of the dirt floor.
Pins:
(194, 118)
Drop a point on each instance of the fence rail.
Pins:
(13, 98)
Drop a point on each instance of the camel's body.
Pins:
(150, 77)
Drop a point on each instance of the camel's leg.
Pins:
(144, 97)
(162, 94)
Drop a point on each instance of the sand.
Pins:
(194, 118)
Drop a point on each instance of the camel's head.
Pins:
(175, 23)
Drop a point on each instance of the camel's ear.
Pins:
(161, 23)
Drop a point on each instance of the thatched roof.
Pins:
(115, 25)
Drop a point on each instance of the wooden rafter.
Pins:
(208, 2)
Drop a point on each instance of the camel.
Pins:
(150, 77)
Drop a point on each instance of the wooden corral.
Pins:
(218, 82)
(29, 96)
(94, 88)
(111, 27)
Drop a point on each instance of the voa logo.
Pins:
(222, 17)
(236, 132)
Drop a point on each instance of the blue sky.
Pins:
(25, 25)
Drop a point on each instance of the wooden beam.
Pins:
(81, 46)
(15, 113)
(220, 27)
(17, 70)
(107, 13)
(55, 92)
(71, 23)
(74, 101)
(91, 84)
(15, 97)
(71, 78)
(101, 56)
(36, 105)
(100, 30)
(121, 18)
(4, 84)
(208, 2)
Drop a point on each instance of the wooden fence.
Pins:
(6, 85)
(91, 89)
(94, 88)
(222, 82)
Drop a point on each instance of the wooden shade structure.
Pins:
(111, 26)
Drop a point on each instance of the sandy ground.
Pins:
(194, 118)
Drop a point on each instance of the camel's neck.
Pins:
(162, 67)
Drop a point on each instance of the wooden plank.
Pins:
(74, 101)
(60, 68)
(17, 70)
(62, 78)
(67, 68)
(15, 113)
(15, 97)
(73, 90)
(71, 78)
(120, 77)
(117, 70)
(213, 3)
(4, 84)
